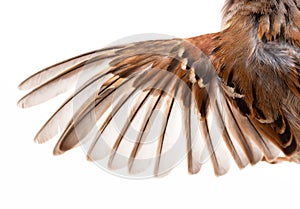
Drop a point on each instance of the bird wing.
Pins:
(145, 106)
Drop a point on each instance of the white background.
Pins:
(35, 34)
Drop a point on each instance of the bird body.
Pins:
(246, 77)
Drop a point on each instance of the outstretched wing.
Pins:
(146, 106)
